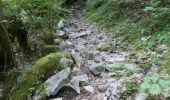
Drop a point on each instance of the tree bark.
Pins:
(6, 56)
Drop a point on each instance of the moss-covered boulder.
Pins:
(104, 47)
(37, 74)
(47, 49)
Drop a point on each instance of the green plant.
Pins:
(153, 84)
(131, 88)
(38, 16)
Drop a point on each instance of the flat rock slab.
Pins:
(56, 82)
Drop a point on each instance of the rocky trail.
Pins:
(96, 57)
(102, 71)
(98, 69)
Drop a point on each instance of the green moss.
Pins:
(47, 49)
(105, 47)
(40, 71)
(68, 55)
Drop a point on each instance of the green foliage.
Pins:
(38, 16)
(133, 20)
(153, 84)
(131, 88)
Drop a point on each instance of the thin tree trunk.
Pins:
(6, 57)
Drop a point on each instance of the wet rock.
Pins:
(77, 58)
(141, 96)
(56, 82)
(89, 89)
(76, 82)
(66, 62)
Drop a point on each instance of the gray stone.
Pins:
(56, 82)
(97, 59)
(95, 68)
(166, 93)
(77, 58)
(57, 41)
(102, 87)
(162, 47)
(61, 24)
(63, 45)
(132, 67)
(89, 89)
(66, 62)
(62, 34)
(141, 96)
(75, 82)
(114, 90)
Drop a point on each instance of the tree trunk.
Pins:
(6, 57)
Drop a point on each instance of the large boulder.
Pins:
(34, 75)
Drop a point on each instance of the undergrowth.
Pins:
(143, 23)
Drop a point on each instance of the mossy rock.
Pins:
(47, 49)
(37, 73)
(104, 47)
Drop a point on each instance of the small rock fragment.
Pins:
(89, 89)
(61, 24)
(75, 82)
(78, 59)
(141, 96)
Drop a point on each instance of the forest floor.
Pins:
(113, 73)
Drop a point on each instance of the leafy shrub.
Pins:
(153, 84)
(38, 16)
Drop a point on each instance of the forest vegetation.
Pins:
(50, 48)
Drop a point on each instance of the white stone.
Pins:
(89, 89)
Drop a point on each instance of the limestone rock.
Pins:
(66, 62)
(89, 89)
(75, 82)
(77, 58)
(56, 82)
